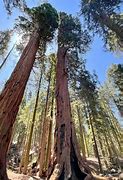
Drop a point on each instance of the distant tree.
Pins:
(9, 4)
(4, 41)
(7, 56)
(101, 17)
(87, 91)
(115, 75)
(28, 146)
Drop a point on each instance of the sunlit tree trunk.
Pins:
(26, 159)
(108, 147)
(81, 133)
(91, 121)
(102, 149)
(114, 150)
(113, 125)
(44, 135)
(48, 152)
(11, 98)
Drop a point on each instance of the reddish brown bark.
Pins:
(67, 162)
(11, 97)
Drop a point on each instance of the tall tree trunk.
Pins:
(114, 150)
(43, 139)
(4, 61)
(11, 98)
(81, 133)
(102, 150)
(67, 162)
(31, 129)
(48, 152)
(108, 147)
(91, 120)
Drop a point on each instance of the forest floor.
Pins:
(15, 176)
(91, 161)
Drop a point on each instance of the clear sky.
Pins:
(97, 58)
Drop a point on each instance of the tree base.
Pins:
(58, 173)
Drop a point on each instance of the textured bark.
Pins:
(31, 129)
(11, 98)
(67, 162)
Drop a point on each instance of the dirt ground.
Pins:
(14, 176)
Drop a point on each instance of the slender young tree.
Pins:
(115, 77)
(88, 94)
(81, 133)
(31, 128)
(5, 59)
(44, 137)
(44, 22)
(52, 92)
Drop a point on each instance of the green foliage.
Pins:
(44, 19)
(4, 41)
(115, 75)
(9, 4)
(71, 35)
(102, 17)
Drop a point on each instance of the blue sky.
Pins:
(97, 58)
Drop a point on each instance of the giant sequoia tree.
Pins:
(43, 22)
(67, 162)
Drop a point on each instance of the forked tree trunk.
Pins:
(11, 98)
(67, 162)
